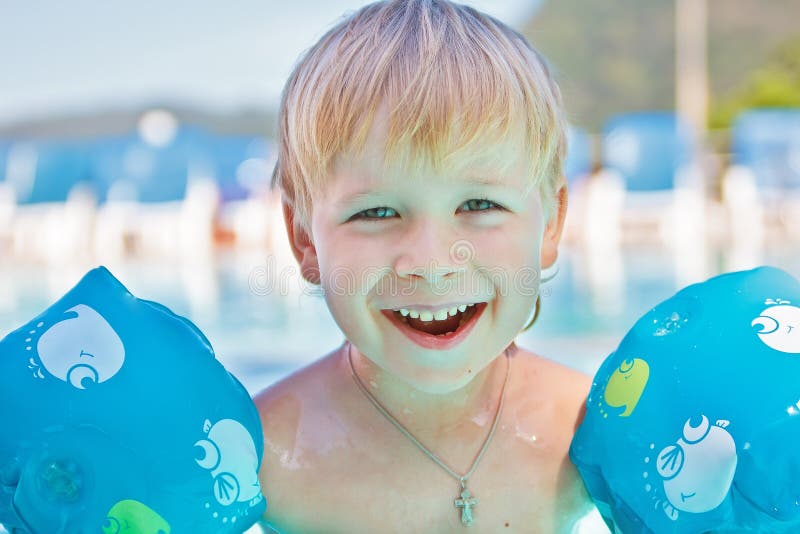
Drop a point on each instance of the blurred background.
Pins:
(140, 136)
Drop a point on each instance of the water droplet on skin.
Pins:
(373, 384)
(407, 411)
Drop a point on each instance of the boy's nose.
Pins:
(431, 255)
(432, 274)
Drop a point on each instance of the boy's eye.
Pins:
(374, 214)
(485, 202)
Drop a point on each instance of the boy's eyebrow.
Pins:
(485, 180)
(471, 180)
(355, 198)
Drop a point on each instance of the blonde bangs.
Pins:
(453, 80)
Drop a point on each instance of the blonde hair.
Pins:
(452, 78)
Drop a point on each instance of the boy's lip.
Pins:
(437, 342)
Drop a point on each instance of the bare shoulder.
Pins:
(550, 405)
(293, 415)
(279, 405)
(279, 401)
(565, 389)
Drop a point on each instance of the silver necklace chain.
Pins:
(466, 502)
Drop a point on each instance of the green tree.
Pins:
(775, 84)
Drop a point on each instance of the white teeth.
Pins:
(439, 315)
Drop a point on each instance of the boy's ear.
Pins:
(302, 245)
(552, 232)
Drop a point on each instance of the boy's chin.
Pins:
(440, 388)
(430, 377)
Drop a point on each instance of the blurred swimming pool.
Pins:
(262, 335)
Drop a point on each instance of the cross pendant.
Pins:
(466, 502)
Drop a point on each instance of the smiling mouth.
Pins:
(439, 328)
(685, 496)
(443, 336)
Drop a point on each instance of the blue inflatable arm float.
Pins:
(117, 418)
(693, 424)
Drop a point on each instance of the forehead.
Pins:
(489, 159)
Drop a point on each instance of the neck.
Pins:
(432, 416)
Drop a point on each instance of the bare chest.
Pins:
(346, 470)
(515, 488)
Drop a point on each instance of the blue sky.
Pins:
(75, 56)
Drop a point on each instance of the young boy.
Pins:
(420, 166)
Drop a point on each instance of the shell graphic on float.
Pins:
(779, 326)
(133, 517)
(81, 350)
(229, 453)
(698, 469)
(626, 385)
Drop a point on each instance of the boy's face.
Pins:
(418, 237)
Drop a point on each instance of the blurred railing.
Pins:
(163, 189)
